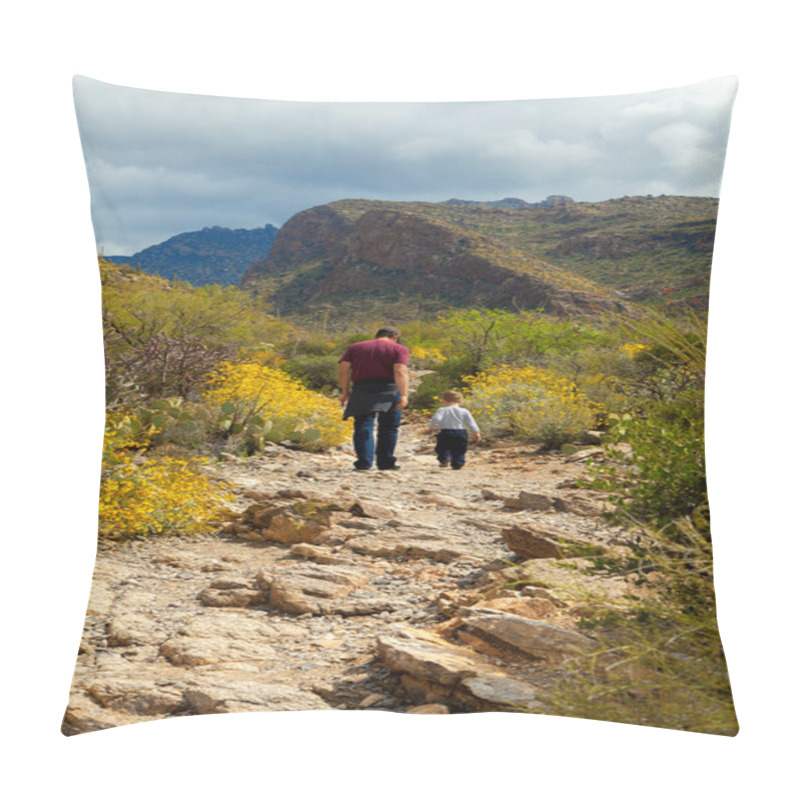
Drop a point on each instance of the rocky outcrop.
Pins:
(323, 254)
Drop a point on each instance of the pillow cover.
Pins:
(532, 281)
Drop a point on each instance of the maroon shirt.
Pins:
(374, 359)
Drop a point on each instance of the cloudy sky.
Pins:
(161, 163)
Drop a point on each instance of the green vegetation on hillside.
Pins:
(646, 245)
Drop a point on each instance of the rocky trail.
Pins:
(422, 590)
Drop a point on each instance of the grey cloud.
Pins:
(162, 163)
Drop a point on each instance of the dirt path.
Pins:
(351, 615)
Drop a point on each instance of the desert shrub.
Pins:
(656, 468)
(659, 661)
(158, 495)
(263, 404)
(486, 337)
(320, 373)
(531, 404)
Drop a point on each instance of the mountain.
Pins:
(356, 256)
(211, 255)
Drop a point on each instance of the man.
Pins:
(373, 376)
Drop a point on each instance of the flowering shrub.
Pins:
(156, 495)
(529, 403)
(266, 404)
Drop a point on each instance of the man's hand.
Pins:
(344, 381)
(402, 402)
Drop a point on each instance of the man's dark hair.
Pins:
(387, 333)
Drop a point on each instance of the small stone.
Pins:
(371, 700)
(429, 708)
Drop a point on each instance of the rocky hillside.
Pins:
(211, 255)
(393, 255)
(565, 257)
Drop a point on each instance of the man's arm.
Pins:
(401, 379)
(344, 380)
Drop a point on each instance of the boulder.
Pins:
(219, 697)
(298, 521)
(428, 657)
(131, 629)
(141, 696)
(314, 588)
(492, 691)
(539, 640)
(227, 637)
(530, 501)
(542, 540)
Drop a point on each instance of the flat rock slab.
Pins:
(215, 639)
(498, 691)
(428, 657)
(543, 540)
(529, 637)
(413, 541)
(131, 629)
(310, 588)
(219, 697)
(140, 696)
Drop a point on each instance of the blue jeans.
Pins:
(364, 438)
(451, 444)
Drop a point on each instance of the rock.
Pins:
(530, 501)
(134, 629)
(541, 540)
(371, 700)
(428, 657)
(101, 599)
(219, 638)
(314, 588)
(301, 521)
(583, 504)
(84, 714)
(585, 454)
(365, 508)
(530, 637)
(210, 697)
(321, 555)
(498, 690)
(231, 598)
(529, 607)
(138, 696)
(444, 500)
(429, 708)
(412, 541)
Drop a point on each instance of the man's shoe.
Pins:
(394, 466)
(445, 463)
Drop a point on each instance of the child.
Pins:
(452, 422)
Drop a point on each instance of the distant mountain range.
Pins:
(568, 258)
(414, 258)
(211, 255)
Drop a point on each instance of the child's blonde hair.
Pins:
(451, 396)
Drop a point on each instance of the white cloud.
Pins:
(163, 163)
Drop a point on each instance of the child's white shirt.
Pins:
(453, 418)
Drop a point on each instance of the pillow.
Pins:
(315, 314)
